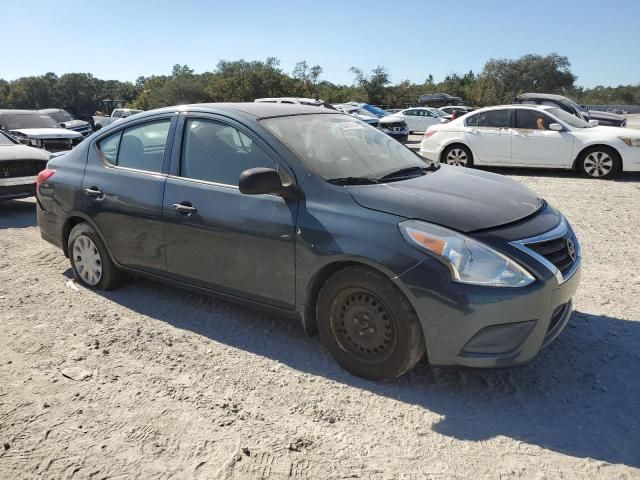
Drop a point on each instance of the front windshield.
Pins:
(15, 121)
(4, 140)
(438, 113)
(61, 116)
(566, 117)
(339, 146)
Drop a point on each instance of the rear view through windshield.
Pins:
(338, 146)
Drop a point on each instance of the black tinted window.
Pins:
(491, 118)
(140, 147)
(217, 152)
(532, 120)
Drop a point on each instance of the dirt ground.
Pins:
(151, 382)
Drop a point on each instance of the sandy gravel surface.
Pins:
(151, 382)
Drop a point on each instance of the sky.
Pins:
(122, 40)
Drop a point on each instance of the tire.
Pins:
(90, 261)
(368, 325)
(457, 155)
(599, 162)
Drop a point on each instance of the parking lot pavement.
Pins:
(149, 381)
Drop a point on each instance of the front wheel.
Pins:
(457, 155)
(599, 162)
(368, 325)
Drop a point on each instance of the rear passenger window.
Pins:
(491, 118)
(216, 152)
(140, 147)
(109, 147)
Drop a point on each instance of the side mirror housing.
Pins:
(555, 127)
(258, 181)
(594, 123)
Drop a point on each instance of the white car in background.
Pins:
(418, 119)
(533, 136)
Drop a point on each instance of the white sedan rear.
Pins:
(533, 136)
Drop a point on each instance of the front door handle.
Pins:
(184, 208)
(94, 192)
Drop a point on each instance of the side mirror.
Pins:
(63, 125)
(555, 127)
(594, 123)
(258, 181)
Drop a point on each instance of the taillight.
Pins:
(429, 133)
(42, 177)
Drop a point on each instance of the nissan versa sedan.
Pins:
(533, 136)
(315, 214)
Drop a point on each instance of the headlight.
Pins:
(470, 261)
(631, 142)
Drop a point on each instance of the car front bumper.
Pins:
(486, 327)
(399, 133)
(17, 187)
(630, 158)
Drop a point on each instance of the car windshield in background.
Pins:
(438, 113)
(5, 140)
(62, 116)
(566, 117)
(341, 147)
(15, 121)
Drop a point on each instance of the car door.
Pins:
(411, 119)
(534, 144)
(123, 185)
(489, 136)
(216, 236)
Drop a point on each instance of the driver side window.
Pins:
(217, 152)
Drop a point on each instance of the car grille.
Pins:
(561, 252)
(393, 125)
(84, 130)
(21, 169)
(60, 144)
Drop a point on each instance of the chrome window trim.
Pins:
(559, 231)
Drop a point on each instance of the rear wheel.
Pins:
(90, 261)
(599, 162)
(457, 155)
(368, 325)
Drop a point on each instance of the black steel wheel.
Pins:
(368, 325)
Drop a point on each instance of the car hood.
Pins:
(22, 152)
(596, 114)
(454, 197)
(43, 133)
(70, 124)
(391, 119)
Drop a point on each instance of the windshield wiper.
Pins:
(404, 173)
(352, 181)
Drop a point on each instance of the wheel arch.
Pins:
(71, 221)
(308, 313)
(457, 142)
(586, 148)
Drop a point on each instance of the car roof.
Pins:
(548, 96)
(18, 112)
(516, 106)
(258, 110)
(51, 110)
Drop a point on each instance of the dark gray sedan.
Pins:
(320, 216)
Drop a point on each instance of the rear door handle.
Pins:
(94, 192)
(184, 208)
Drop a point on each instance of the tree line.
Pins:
(239, 80)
